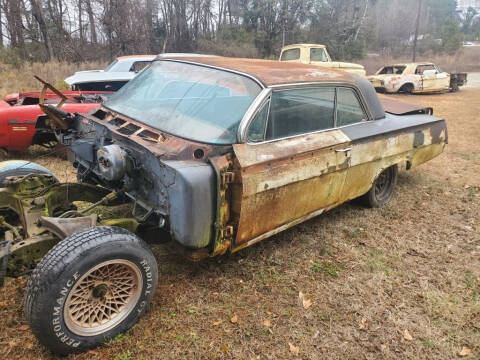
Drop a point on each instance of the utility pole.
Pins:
(417, 25)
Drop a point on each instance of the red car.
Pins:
(22, 122)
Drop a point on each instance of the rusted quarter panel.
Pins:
(408, 148)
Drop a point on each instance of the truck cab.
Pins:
(316, 54)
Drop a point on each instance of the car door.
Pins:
(366, 152)
(293, 165)
(443, 79)
(433, 79)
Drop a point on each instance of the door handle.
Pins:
(343, 150)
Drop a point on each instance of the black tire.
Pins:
(20, 167)
(382, 188)
(68, 269)
(406, 88)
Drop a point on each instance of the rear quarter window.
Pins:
(349, 108)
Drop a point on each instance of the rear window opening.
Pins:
(392, 70)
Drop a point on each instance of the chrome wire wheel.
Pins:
(103, 297)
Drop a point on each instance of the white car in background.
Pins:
(119, 72)
(113, 77)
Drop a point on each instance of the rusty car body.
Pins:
(317, 54)
(416, 78)
(215, 154)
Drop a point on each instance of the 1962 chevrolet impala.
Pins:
(218, 153)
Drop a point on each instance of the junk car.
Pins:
(118, 73)
(416, 78)
(113, 77)
(23, 123)
(214, 154)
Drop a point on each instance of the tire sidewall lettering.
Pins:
(148, 280)
(57, 313)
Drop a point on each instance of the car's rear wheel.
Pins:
(20, 167)
(90, 287)
(382, 188)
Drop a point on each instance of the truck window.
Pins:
(290, 54)
(318, 54)
(300, 111)
(349, 109)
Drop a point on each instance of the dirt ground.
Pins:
(399, 282)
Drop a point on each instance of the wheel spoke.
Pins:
(103, 297)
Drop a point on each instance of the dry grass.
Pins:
(466, 59)
(372, 274)
(14, 79)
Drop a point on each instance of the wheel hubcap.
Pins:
(103, 297)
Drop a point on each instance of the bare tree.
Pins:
(91, 20)
(1, 26)
(38, 15)
(417, 25)
(80, 22)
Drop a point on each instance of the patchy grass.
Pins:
(372, 275)
(14, 79)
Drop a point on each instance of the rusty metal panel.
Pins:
(271, 72)
(369, 159)
(285, 180)
(401, 108)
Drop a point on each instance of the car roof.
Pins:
(273, 72)
(137, 57)
(303, 45)
(411, 64)
(182, 55)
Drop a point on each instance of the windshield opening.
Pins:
(187, 100)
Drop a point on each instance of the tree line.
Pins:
(82, 30)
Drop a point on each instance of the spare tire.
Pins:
(20, 167)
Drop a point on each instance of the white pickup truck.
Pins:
(316, 54)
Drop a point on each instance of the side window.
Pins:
(318, 54)
(256, 131)
(290, 54)
(300, 111)
(422, 68)
(139, 66)
(349, 109)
